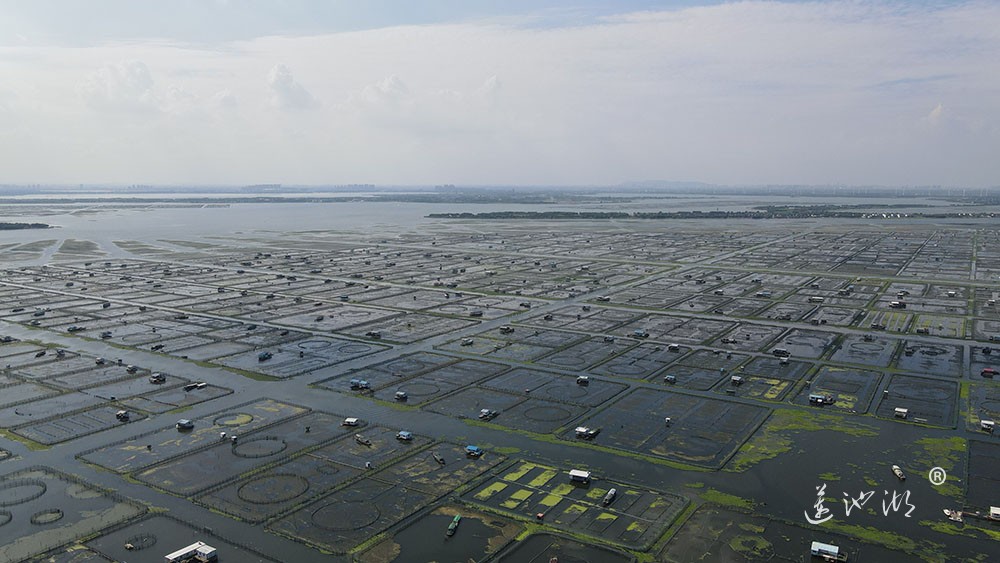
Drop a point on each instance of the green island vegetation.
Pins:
(19, 226)
(463, 197)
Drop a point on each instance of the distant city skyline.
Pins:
(396, 92)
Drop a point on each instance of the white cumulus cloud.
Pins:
(779, 91)
(224, 99)
(936, 114)
(390, 89)
(123, 86)
(285, 92)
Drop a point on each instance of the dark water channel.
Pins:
(426, 540)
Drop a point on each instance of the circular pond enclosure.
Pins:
(344, 516)
(263, 446)
(547, 413)
(20, 491)
(420, 388)
(233, 419)
(271, 489)
(140, 542)
(47, 516)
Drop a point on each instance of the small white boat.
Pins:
(898, 472)
(953, 515)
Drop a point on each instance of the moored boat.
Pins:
(953, 515)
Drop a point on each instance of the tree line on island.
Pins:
(18, 226)
(763, 212)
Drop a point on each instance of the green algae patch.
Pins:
(966, 529)
(943, 450)
(562, 489)
(542, 479)
(550, 500)
(529, 528)
(490, 490)
(516, 498)
(754, 547)
(726, 499)
(606, 516)
(945, 453)
(776, 435)
(522, 494)
(519, 472)
(875, 536)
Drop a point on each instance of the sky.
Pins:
(504, 92)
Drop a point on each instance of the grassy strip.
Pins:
(30, 444)
(926, 550)
(726, 499)
(245, 373)
(966, 530)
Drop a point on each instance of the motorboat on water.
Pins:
(899, 473)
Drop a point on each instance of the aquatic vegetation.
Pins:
(30, 444)
(945, 453)
(751, 546)
(775, 436)
(726, 499)
(950, 528)
(542, 478)
(490, 490)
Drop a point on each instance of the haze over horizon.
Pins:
(540, 93)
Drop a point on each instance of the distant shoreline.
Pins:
(506, 198)
(781, 213)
